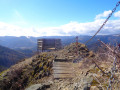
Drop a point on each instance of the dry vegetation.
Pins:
(26, 72)
(91, 70)
(102, 69)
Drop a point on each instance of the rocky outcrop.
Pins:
(74, 52)
(42, 86)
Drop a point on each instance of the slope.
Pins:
(9, 57)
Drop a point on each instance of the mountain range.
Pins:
(30, 43)
(13, 49)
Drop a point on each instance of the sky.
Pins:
(57, 17)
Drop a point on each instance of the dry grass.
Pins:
(26, 72)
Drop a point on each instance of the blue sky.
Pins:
(55, 17)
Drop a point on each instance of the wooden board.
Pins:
(62, 69)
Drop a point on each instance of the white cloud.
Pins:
(12, 30)
(72, 28)
(105, 14)
(117, 14)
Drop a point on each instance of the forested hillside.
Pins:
(9, 57)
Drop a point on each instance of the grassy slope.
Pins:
(26, 72)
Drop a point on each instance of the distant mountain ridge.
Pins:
(31, 42)
(23, 42)
(17, 42)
